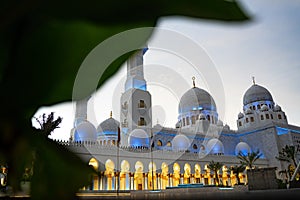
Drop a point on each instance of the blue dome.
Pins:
(138, 138)
(215, 146)
(196, 99)
(243, 147)
(257, 93)
(109, 126)
(85, 131)
(180, 143)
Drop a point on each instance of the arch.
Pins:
(109, 165)
(125, 166)
(169, 144)
(187, 173)
(279, 116)
(176, 174)
(93, 162)
(139, 167)
(109, 171)
(159, 143)
(152, 182)
(197, 173)
(138, 176)
(195, 146)
(164, 175)
(152, 166)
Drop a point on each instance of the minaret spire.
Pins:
(193, 78)
(135, 71)
(253, 80)
(110, 115)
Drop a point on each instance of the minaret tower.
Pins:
(136, 100)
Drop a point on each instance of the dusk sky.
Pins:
(267, 47)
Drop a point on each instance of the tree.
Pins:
(215, 167)
(48, 125)
(236, 170)
(249, 159)
(288, 154)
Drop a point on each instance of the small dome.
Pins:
(256, 93)
(180, 143)
(215, 146)
(240, 115)
(196, 99)
(85, 131)
(202, 116)
(243, 147)
(277, 108)
(226, 127)
(219, 123)
(109, 126)
(138, 138)
(264, 108)
(248, 111)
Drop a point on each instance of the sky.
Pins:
(267, 47)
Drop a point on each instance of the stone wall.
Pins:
(262, 178)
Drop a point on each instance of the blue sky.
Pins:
(266, 47)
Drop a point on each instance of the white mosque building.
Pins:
(134, 154)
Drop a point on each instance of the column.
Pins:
(117, 180)
(181, 179)
(146, 181)
(228, 179)
(131, 186)
(192, 178)
(170, 180)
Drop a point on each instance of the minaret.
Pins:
(81, 111)
(80, 115)
(136, 100)
(135, 71)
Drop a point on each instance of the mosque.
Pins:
(134, 154)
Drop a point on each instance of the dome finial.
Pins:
(253, 80)
(193, 78)
(110, 114)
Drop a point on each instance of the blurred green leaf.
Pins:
(43, 44)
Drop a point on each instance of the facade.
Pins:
(133, 154)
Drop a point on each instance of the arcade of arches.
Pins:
(140, 178)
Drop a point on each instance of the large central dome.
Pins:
(196, 99)
(256, 93)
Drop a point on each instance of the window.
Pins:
(159, 143)
(251, 119)
(193, 119)
(183, 120)
(169, 144)
(125, 124)
(212, 119)
(254, 107)
(271, 116)
(279, 116)
(142, 121)
(258, 106)
(247, 120)
(195, 146)
(262, 117)
(142, 104)
(187, 121)
(240, 123)
(125, 105)
(208, 117)
(267, 116)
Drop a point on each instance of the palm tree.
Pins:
(215, 167)
(288, 154)
(236, 170)
(249, 159)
